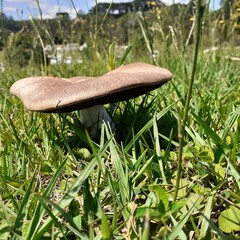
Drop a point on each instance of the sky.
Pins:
(25, 9)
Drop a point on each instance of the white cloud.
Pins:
(53, 9)
(29, 8)
(10, 9)
(93, 2)
(49, 9)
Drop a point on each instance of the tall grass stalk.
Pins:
(147, 37)
(198, 26)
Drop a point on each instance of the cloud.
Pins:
(50, 10)
(29, 8)
(10, 9)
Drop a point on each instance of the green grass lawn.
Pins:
(57, 182)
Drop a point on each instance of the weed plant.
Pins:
(143, 181)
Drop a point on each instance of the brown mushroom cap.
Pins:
(52, 94)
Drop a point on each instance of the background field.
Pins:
(171, 169)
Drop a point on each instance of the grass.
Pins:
(56, 182)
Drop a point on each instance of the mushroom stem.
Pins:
(93, 117)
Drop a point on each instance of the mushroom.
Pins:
(88, 94)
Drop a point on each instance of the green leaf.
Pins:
(161, 195)
(230, 122)
(70, 224)
(235, 174)
(105, 227)
(143, 210)
(116, 159)
(181, 233)
(178, 226)
(229, 219)
(206, 154)
(221, 146)
(32, 227)
(210, 133)
(207, 214)
(5, 231)
(220, 234)
(146, 230)
(90, 204)
(21, 216)
(125, 54)
(100, 60)
(68, 197)
(143, 169)
(183, 184)
(220, 172)
(111, 57)
(148, 125)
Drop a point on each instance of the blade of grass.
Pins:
(71, 225)
(72, 192)
(210, 133)
(143, 169)
(230, 122)
(198, 17)
(147, 127)
(235, 174)
(207, 214)
(158, 148)
(105, 227)
(177, 231)
(53, 217)
(125, 54)
(39, 212)
(67, 198)
(216, 229)
(181, 234)
(163, 160)
(118, 163)
(23, 209)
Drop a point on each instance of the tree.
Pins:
(142, 5)
(226, 8)
(235, 15)
(139, 4)
(81, 13)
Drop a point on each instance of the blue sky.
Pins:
(24, 9)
